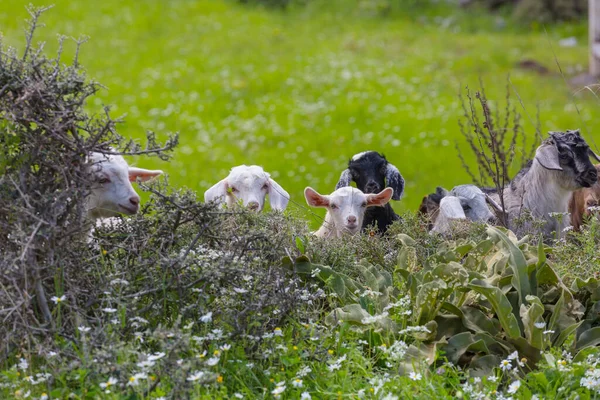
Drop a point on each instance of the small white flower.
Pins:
(23, 364)
(60, 299)
(156, 356)
(305, 396)
(139, 336)
(212, 361)
(111, 381)
(206, 318)
(225, 347)
(44, 396)
(52, 354)
(84, 329)
(196, 376)
(277, 332)
(548, 332)
(297, 383)
(109, 310)
(492, 378)
(540, 325)
(135, 379)
(389, 396)
(505, 365)
(415, 376)
(513, 387)
(238, 395)
(146, 364)
(513, 356)
(280, 388)
(240, 290)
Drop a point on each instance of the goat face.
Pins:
(347, 205)
(473, 202)
(250, 185)
(569, 153)
(370, 171)
(111, 191)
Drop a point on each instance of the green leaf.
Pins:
(459, 344)
(530, 315)
(565, 333)
(501, 306)
(352, 313)
(591, 337)
(300, 244)
(516, 260)
(477, 321)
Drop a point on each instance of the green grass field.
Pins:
(301, 91)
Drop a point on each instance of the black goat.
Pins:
(370, 171)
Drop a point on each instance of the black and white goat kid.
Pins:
(370, 171)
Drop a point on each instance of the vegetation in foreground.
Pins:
(188, 301)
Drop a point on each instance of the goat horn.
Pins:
(493, 203)
(594, 155)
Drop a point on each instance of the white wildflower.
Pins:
(156, 356)
(206, 318)
(135, 379)
(109, 310)
(212, 361)
(415, 376)
(196, 376)
(305, 396)
(505, 365)
(84, 329)
(280, 388)
(23, 364)
(110, 382)
(225, 347)
(540, 325)
(57, 300)
(513, 387)
(297, 383)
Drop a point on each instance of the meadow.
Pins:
(300, 91)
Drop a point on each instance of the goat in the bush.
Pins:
(111, 192)
(250, 184)
(561, 165)
(346, 208)
(466, 202)
(370, 171)
(584, 203)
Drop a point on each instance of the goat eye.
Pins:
(233, 190)
(103, 179)
(364, 204)
(333, 206)
(265, 187)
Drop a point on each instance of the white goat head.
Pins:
(451, 210)
(568, 154)
(250, 184)
(111, 191)
(473, 202)
(346, 206)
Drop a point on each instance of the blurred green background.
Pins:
(299, 91)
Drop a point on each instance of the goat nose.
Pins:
(352, 219)
(371, 187)
(253, 205)
(135, 200)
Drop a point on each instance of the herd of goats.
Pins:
(559, 187)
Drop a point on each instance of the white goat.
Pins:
(544, 187)
(345, 208)
(250, 184)
(111, 192)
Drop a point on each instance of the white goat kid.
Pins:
(345, 208)
(111, 192)
(250, 185)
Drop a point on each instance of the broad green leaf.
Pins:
(541, 253)
(300, 244)
(477, 321)
(591, 337)
(530, 315)
(501, 306)
(484, 365)
(352, 313)
(565, 333)
(516, 261)
(459, 344)
(407, 258)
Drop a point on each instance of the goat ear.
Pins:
(381, 198)
(547, 156)
(142, 174)
(217, 192)
(345, 179)
(314, 199)
(277, 196)
(395, 181)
